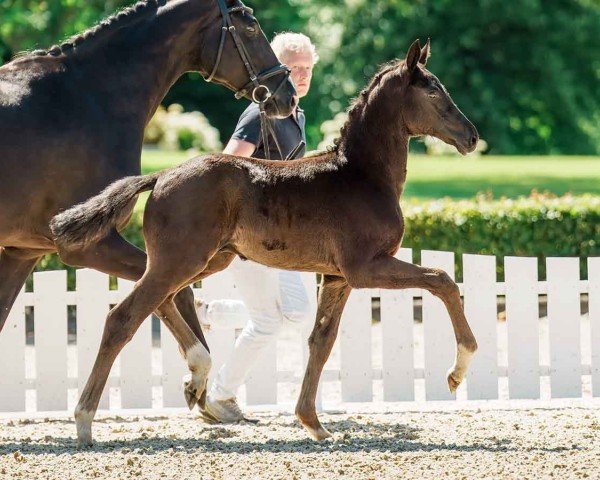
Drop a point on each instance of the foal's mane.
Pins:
(359, 104)
(124, 17)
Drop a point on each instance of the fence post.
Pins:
(50, 310)
(522, 322)
(594, 303)
(564, 323)
(397, 319)
(92, 308)
(355, 348)
(439, 340)
(479, 281)
(12, 357)
(136, 362)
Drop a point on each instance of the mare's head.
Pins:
(251, 50)
(427, 108)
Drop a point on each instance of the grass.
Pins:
(463, 177)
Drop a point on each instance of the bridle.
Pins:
(255, 77)
(260, 93)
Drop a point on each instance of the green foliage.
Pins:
(174, 129)
(30, 24)
(526, 73)
(538, 225)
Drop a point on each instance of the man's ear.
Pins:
(413, 56)
(425, 53)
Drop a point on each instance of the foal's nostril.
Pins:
(473, 141)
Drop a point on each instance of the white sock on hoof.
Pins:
(83, 421)
(198, 360)
(463, 359)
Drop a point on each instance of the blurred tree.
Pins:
(28, 24)
(527, 73)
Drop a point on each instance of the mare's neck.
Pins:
(137, 64)
(378, 145)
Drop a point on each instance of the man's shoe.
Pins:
(222, 411)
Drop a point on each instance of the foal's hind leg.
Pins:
(154, 292)
(15, 266)
(121, 324)
(333, 295)
(389, 272)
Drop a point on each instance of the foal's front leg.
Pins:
(333, 295)
(389, 272)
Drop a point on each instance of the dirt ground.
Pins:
(496, 441)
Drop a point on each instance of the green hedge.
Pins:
(538, 225)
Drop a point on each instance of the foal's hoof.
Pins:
(313, 427)
(453, 382)
(193, 397)
(319, 433)
(85, 442)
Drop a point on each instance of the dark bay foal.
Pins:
(336, 213)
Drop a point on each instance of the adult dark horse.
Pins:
(72, 121)
(336, 213)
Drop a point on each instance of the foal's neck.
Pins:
(140, 62)
(379, 147)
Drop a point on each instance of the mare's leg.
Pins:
(389, 272)
(333, 295)
(15, 266)
(116, 256)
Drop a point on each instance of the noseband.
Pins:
(259, 92)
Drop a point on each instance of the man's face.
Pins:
(301, 65)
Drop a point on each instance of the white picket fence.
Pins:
(397, 374)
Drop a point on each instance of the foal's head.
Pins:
(427, 108)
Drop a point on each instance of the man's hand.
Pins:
(240, 148)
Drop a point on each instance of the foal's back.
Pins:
(284, 214)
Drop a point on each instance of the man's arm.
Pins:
(239, 147)
(246, 136)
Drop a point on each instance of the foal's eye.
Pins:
(251, 29)
(432, 95)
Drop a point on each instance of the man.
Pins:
(271, 296)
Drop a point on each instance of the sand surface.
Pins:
(549, 441)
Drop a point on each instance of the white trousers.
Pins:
(271, 297)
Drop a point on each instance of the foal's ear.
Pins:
(413, 55)
(425, 52)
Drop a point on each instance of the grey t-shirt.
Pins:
(289, 131)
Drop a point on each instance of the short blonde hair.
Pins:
(286, 42)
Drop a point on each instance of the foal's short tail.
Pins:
(91, 220)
